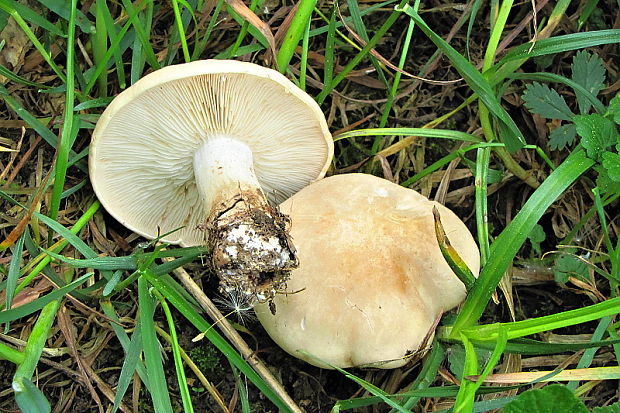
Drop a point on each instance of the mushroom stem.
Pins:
(248, 238)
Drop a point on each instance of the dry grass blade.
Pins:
(17, 231)
(66, 326)
(237, 341)
(255, 21)
(389, 64)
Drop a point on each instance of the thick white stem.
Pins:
(223, 167)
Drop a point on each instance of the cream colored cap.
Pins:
(144, 143)
(371, 279)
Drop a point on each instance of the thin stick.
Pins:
(235, 338)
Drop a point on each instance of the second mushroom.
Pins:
(200, 152)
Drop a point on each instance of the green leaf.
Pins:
(597, 134)
(29, 398)
(613, 408)
(614, 109)
(569, 266)
(546, 102)
(562, 136)
(611, 162)
(589, 72)
(456, 358)
(536, 236)
(555, 398)
(603, 182)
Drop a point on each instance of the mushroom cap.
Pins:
(142, 149)
(371, 279)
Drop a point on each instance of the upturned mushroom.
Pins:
(201, 152)
(372, 280)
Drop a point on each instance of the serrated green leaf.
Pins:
(597, 134)
(614, 109)
(611, 162)
(613, 408)
(555, 398)
(589, 72)
(29, 398)
(546, 102)
(569, 266)
(562, 136)
(605, 183)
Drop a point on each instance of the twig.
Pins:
(235, 338)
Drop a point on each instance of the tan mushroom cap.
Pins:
(142, 150)
(371, 279)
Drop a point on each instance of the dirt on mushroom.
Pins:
(238, 234)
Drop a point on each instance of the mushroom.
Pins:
(200, 152)
(371, 281)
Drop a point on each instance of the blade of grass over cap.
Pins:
(507, 244)
(474, 80)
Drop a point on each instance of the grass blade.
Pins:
(152, 350)
(67, 137)
(508, 243)
(295, 32)
(474, 80)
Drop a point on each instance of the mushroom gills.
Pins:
(248, 238)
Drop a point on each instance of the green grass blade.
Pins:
(31, 16)
(18, 79)
(328, 66)
(67, 137)
(475, 80)
(141, 32)
(464, 402)
(37, 265)
(124, 339)
(295, 32)
(508, 243)
(181, 29)
(67, 234)
(482, 221)
(36, 340)
(27, 309)
(170, 289)
(13, 272)
(423, 132)
(29, 398)
(369, 387)
(110, 30)
(538, 348)
(588, 355)
(564, 43)
(5, 5)
(152, 350)
(201, 44)
(176, 353)
(427, 374)
(63, 9)
(362, 53)
(130, 365)
(524, 328)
